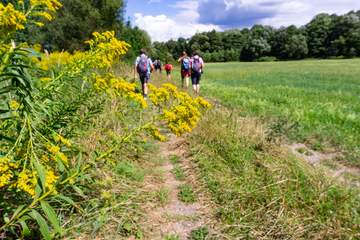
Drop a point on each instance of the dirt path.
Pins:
(347, 175)
(175, 219)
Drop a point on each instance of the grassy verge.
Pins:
(111, 194)
(261, 192)
(313, 102)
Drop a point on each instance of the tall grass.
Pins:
(263, 193)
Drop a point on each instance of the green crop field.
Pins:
(312, 102)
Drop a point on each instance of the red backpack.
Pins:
(168, 67)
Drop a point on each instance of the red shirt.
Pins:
(168, 67)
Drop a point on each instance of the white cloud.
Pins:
(193, 16)
(163, 28)
(300, 12)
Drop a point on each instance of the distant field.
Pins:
(315, 102)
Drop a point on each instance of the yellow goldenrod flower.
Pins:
(39, 24)
(45, 79)
(54, 150)
(45, 159)
(10, 18)
(14, 105)
(155, 133)
(26, 182)
(63, 158)
(50, 180)
(60, 139)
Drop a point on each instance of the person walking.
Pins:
(168, 69)
(158, 65)
(197, 66)
(143, 66)
(184, 61)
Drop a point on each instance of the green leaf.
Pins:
(61, 165)
(79, 191)
(66, 199)
(25, 229)
(51, 216)
(41, 172)
(44, 228)
(19, 209)
(38, 190)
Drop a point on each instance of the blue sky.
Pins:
(170, 19)
(147, 7)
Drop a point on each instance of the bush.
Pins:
(267, 59)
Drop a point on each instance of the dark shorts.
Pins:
(144, 78)
(195, 78)
(185, 73)
(168, 73)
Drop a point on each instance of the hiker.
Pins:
(197, 66)
(144, 67)
(157, 65)
(184, 61)
(168, 69)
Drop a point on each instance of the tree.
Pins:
(255, 48)
(215, 41)
(233, 39)
(344, 40)
(318, 31)
(290, 43)
(75, 22)
(326, 35)
(137, 38)
(200, 42)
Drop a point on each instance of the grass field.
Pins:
(313, 102)
(262, 191)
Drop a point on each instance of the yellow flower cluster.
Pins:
(60, 139)
(155, 133)
(50, 5)
(14, 105)
(107, 48)
(6, 171)
(180, 111)
(159, 96)
(10, 18)
(50, 180)
(55, 59)
(202, 102)
(26, 182)
(116, 87)
(182, 118)
(56, 154)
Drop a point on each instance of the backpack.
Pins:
(142, 66)
(196, 65)
(186, 64)
(168, 67)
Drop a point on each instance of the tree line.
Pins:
(74, 23)
(325, 36)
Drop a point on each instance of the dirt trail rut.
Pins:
(175, 218)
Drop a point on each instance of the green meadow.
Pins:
(260, 190)
(313, 102)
